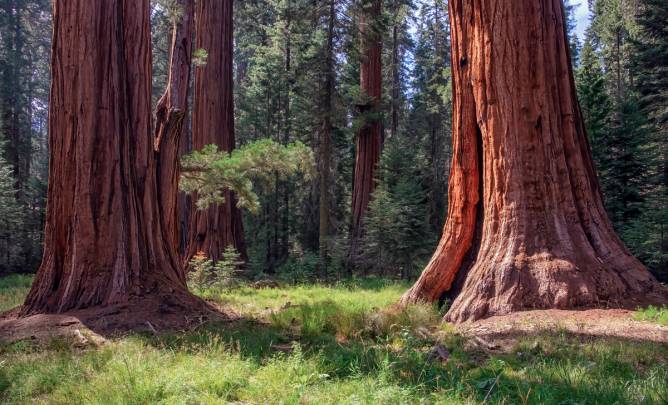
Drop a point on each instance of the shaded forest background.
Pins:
(281, 79)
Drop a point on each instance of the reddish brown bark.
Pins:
(526, 226)
(170, 117)
(217, 227)
(104, 242)
(368, 141)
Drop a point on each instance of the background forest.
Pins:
(297, 73)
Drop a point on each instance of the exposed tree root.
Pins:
(153, 314)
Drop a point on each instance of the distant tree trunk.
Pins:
(394, 123)
(325, 140)
(170, 118)
(526, 226)
(104, 240)
(287, 127)
(220, 226)
(184, 201)
(368, 141)
(13, 104)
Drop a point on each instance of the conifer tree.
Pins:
(429, 121)
(594, 103)
(11, 212)
(650, 66)
(627, 146)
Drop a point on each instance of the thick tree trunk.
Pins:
(526, 226)
(368, 141)
(170, 118)
(104, 241)
(214, 229)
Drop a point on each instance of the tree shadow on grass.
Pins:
(549, 367)
(544, 367)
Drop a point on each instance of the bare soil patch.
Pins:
(502, 332)
(92, 325)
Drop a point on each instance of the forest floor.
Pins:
(340, 344)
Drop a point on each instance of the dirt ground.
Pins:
(502, 332)
(495, 333)
(91, 326)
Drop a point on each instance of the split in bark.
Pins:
(170, 117)
(104, 237)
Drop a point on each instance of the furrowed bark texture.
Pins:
(526, 223)
(104, 242)
(170, 118)
(368, 141)
(217, 227)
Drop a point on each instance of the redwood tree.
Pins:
(368, 140)
(170, 117)
(104, 238)
(217, 227)
(526, 226)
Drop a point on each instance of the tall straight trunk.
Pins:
(184, 201)
(326, 139)
(104, 240)
(170, 118)
(526, 226)
(284, 186)
(15, 126)
(368, 141)
(394, 123)
(214, 229)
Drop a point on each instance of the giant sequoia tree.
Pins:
(104, 239)
(220, 226)
(526, 226)
(368, 140)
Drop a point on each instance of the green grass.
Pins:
(342, 348)
(13, 290)
(653, 314)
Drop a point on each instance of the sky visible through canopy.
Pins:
(581, 17)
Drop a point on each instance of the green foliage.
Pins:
(620, 85)
(429, 120)
(594, 101)
(200, 57)
(223, 274)
(650, 63)
(209, 172)
(12, 213)
(573, 40)
(330, 345)
(650, 67)
(300, 267)
(397, 238)
(25, 32)
(653, 314)
(13, 290)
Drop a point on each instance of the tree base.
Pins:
(153, 314)
(544, 282)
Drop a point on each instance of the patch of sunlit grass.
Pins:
(13, 290)
(337, 344)
(653, 314)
